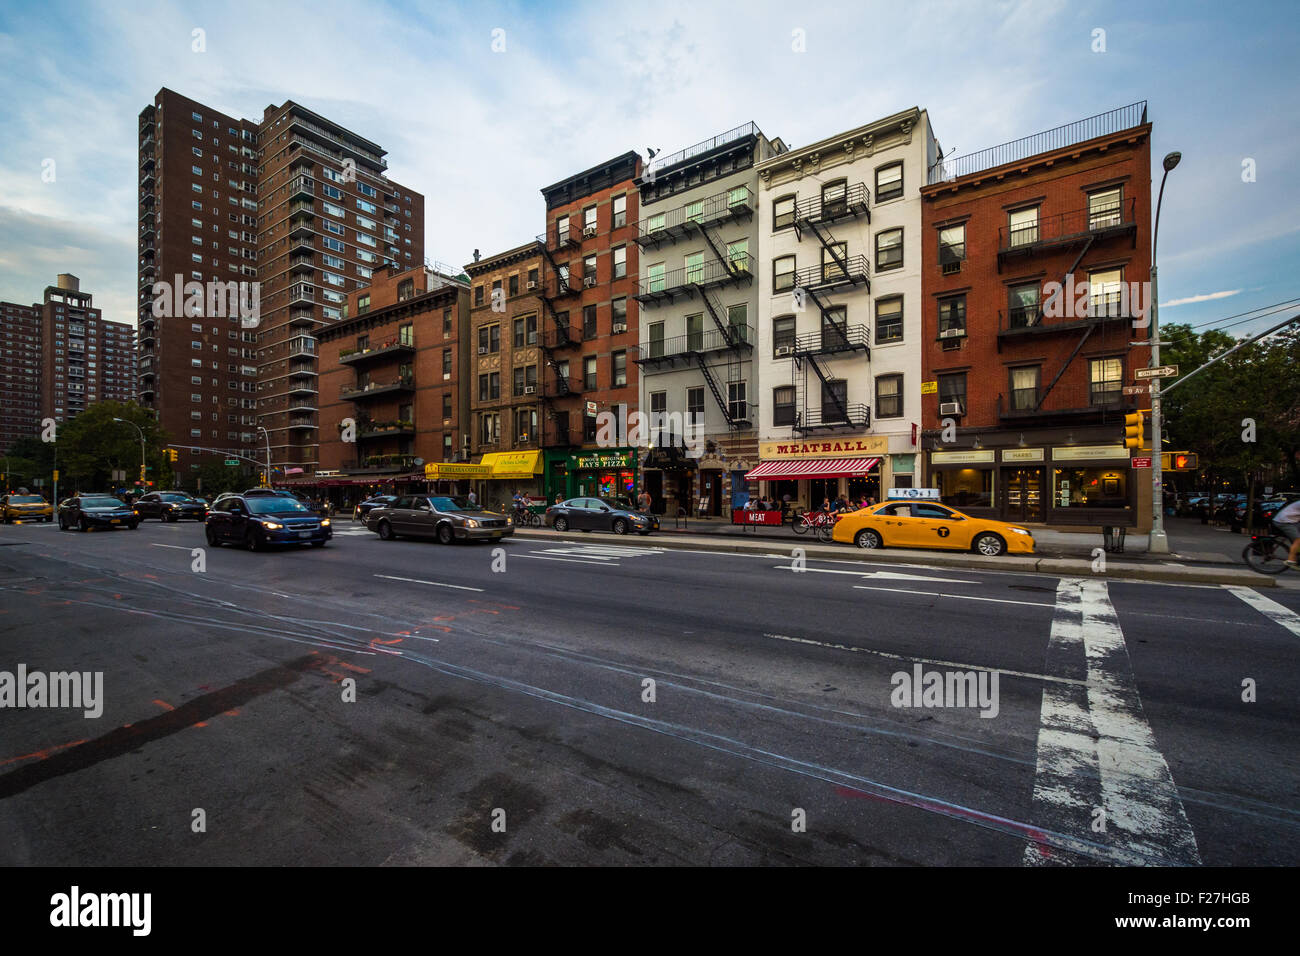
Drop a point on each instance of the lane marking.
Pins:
(436, 584)
(178, 547)
(542, 557)
(1095, 747)
(1275, 612)
(910, 658)
(960, 597)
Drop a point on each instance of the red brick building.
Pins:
(1024, 375)
(396, 365)
(589, 328)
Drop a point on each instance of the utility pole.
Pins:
(142, 464)
(263, 430)
(1158, 542)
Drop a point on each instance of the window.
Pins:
(952, 388)
(655, 340)
(889, 249)
(695, 211)
(514, 285)
(589, 322)
(695, 267)
(737, 196)
(620, 262)
(1022, 227)
(1106, 376)
(478, 295)
(588, 218)
(738, 255)
(835, 198)
(363, 303)
(835, 400)
(695, 332)
(658, 407)
(783, 405)
(737, 406)
(1105, 208)
(489, 428)
(654, 223)
(620, 211)
(446, 321)
(1106, 293)
(695, 405)
(889, 182)
(889, 320)
(446, 404)
(525, 331)
(835, 327)
(526, 425)
(489, 386)
(406, 334)
(618, 362)
(589, 373)
(952, 316)
(562, 229)
(333, 244)
(737, 319)
(446, 363)
(1022, 306)
(655, 277)
(889, 396)
(532, 278)
(619, 307)
(782, 333)
(783, 273)
(1024, 387)
(525, 376)
(405, 289)
(489, 339)
(952, 247)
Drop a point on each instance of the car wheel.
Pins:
(133, 525)
(445, 535)
(386, 531)
(250, 542)
(83, 525)
(866, 538)
(561, 524)
(620, 526)
(990, 545)
(169, 518)
(318, 544)
(210, 533)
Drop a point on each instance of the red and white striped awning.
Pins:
(791, 470)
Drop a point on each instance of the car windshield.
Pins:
(101, 503)
(176, 497)
(452, 503)
(26, 500)
(273, 504)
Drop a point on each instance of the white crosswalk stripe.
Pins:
(1100, 777)
(1277, 613)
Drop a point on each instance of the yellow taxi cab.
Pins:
(928, 524)
(25, 508)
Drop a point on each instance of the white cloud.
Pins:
(1207, 297)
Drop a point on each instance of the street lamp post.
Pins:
(263, 430)
(141, 431)
(1158, 543)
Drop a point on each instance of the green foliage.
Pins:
(92, 445)
(1259, 383)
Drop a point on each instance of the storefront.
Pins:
(453, 478)
(816, 471)
(596, 474)
(1067, 485)
(510, 472)
(669, 478)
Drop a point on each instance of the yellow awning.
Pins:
(443, 470)
(514, 465)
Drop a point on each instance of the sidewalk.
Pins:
(1190, 542)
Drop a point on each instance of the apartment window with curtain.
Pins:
(889, 182)
(620, 211)
(618, 311)
(1022, 226)
(618, 366)
(589, 218)
(783, 330)
(783, 270)
(695, 332)
(526, 425)
(659, 436)
(695, 267)
(835, 198)
(832, 256)
(782, 213)
(952, 389)
(737, 319)
(737, 404)
(655, 277)
(1105, 208)
(952, 316)
(1023, 305)
(655, 343)
(1105, 293)
(889, 320)
(835, 398)
(783, 411)
(588, 322)
(738, 255)
(589, 373)
(695, 405)
(1024, 387)
(889, 396)
(952, 247)
(889, 250)
(406, 334)
(620, 262)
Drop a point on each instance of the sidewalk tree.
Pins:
(92, 446)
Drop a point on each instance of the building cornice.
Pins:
(810, 157)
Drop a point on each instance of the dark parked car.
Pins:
(370, 504)
(169, 506)
(257, 520)
(1263, 514)
(96, 511)
(599, 514)
(445, 517)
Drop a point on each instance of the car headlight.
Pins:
(471, 523)
(272, 525)
(509, 520)
(1020, 531)
(324, 522)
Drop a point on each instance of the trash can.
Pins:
(1112, 539)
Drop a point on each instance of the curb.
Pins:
(1027, 565)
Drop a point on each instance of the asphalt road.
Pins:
(505, 716)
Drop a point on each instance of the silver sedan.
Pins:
(448, 518)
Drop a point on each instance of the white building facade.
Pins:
(838, 353)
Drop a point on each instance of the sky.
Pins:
(481, 104)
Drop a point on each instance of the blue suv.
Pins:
(257, 519)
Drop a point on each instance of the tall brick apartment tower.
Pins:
(589, 328)
(293, 202)
(1032, 383)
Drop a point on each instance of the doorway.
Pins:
(1024, 494)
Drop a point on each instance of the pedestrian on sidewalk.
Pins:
(643, 502)
(473, 499)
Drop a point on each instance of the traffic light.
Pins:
(172, 455)
(1133, 430)
(1180, 461)
(142, 473)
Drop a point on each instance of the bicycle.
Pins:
(822, 523)
(1267, 553)
(527, 519)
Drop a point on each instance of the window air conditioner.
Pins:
(619, 327)
(784, 350)
(589, 282)
(532, 284)
(482, 350)
(529, 389)
(952, 333)
(951, 408)
(588, 231)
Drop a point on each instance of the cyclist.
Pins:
(1287, 523)
(521, 508)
